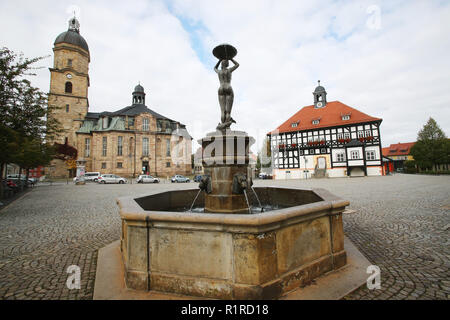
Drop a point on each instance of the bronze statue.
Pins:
(224, 53)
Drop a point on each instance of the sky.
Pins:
(389, 59)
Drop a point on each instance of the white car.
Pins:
(111, 178)
(147, 179)
(91, 176)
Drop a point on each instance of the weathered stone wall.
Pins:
(229, 256)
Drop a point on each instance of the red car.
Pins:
(11, 184)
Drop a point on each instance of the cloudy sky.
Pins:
(389, 59)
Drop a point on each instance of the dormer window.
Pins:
(315, 121)
(105, 122)
(145, 124)
(346, 117)
(295, 124)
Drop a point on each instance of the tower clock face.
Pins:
(69, 76)
(319, 104)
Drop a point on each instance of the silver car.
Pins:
(179, 178)
(111, 178)
(147, 179)
(91, 176)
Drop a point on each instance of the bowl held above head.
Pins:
(224, 51)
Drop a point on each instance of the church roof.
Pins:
(117, 122)
(72, 37)
(328, 116)
(132, 110)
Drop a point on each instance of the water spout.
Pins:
(257, 198)
(248, 204)
(192, 205)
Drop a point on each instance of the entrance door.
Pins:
(321, 164)
(288, 174)
(145, 167)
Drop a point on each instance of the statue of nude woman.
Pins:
(226, 95)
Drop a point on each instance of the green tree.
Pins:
(410, 166)
(258, 162)
(33, 153)
(265, 154)
(23, 112)
(432, 147)
(9, 140)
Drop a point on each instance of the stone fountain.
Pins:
(220, 246)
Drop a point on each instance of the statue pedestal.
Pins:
(225, 156)
(81, 170)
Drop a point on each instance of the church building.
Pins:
(130, 141)
(326, 139)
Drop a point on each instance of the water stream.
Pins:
(248, 204)
(257, 198)
(190, 209)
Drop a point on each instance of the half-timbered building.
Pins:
(326, 139)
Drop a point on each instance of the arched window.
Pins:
(68, 87)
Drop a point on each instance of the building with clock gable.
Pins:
(326, 139)
(130, 141)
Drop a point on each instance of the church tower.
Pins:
(69, 81)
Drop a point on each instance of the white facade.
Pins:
(351, 150)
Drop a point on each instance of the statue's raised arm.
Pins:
(217, 66)
(236, 65)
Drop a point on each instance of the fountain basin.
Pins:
(231, 256)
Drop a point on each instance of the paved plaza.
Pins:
(401, 223)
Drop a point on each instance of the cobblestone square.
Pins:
(400, 223)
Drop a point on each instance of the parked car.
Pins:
(264, 175)
(111, 178)
(91, 176)
(179, 178)
(9, 190)
(11, 184)
(198, 178)
(15, 177)
(143, 178)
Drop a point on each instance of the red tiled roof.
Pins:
(330, 116)
(398, 149)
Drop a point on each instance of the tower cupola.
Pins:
(320, 96)
(72, 35)
(138, 95)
